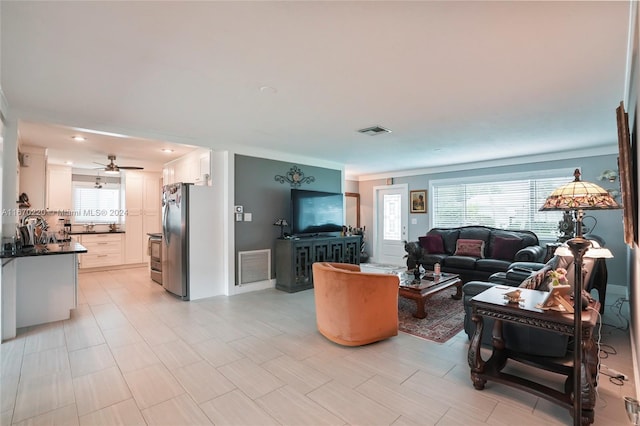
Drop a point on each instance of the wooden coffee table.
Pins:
(429, 285)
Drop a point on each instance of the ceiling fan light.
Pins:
(112, 172)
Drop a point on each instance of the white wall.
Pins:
(8, 183)
(3, 112)
(33, 176)
(632, 95)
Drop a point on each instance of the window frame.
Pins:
(558, 173)
(88, 182)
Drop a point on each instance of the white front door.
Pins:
(391, 217)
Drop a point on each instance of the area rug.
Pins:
(445, 317)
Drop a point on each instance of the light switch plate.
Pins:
(248, 217)
(238, 217)
(414, 221)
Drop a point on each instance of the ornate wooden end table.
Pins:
(492, 304)
(429, 285)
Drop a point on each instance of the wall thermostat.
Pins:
(239, 209)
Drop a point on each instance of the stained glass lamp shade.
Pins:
(579, 195)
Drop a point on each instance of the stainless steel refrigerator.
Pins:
(186, 233)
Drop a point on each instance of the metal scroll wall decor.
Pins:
(295, 177)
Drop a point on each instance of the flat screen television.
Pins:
(316, 212)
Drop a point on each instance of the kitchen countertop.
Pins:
(119, 231)
(68, 247)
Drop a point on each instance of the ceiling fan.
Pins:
(113, 168)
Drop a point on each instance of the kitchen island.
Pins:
(39, 285)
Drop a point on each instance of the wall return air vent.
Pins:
(374, 130)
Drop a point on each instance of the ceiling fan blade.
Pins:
(100, 164)
(130, 168)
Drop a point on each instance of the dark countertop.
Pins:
(68, 247)
(119, 231)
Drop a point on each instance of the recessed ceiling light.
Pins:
(78, 138)
(268, 89)
(167, 150)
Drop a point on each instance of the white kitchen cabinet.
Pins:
(133, 250)
(59, 188)
(133, 190)
(46, 289)
(150, 211)
(194, 167)
(102, 250)
(142, 201)
(168, 174)
(203, 169)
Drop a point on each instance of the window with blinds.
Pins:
(507, 201)
(96, 203)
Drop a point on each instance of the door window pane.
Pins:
(392, 222)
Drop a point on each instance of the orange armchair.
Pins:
(354, 308)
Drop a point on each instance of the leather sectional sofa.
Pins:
(474, 252)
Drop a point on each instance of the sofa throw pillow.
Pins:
(433, 244)
(473, 248)
(505, 248)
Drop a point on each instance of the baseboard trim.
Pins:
(258, 285)
(112, 267)
(620, 290)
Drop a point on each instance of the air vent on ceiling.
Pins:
(375, 130)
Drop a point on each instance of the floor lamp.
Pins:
(576, 197)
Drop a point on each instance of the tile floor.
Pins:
(132, 354)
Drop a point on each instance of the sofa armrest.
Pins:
(530, 254)
(530, 266)
(518, 275)
(473, 288)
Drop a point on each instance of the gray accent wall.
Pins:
(267, 200)
(609, 224)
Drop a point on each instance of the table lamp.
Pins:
(281, 223)
(576, 197)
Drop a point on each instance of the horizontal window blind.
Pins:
(96, 205)
(511, 203)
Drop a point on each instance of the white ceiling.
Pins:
(456, 82)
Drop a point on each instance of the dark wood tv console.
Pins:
(294, 258)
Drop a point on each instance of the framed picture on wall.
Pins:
(627, 182)
(418, 201)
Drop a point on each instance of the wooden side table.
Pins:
(492, 304)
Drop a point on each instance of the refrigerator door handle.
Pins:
(165, 233)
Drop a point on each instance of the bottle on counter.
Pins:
(60, 230)
(67, 229)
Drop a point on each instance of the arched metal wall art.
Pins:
(295, 177)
